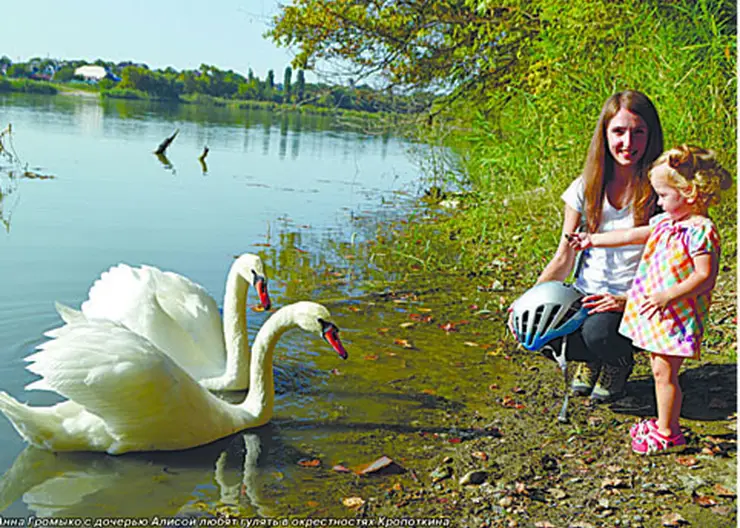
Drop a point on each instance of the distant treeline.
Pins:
(130, 80)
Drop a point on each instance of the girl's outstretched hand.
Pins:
(579, 241)
(603, 302)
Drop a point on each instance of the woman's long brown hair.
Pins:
(599, 167)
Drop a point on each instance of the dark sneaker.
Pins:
(585, 378)
(611, 383)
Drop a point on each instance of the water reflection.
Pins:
(93, 485)
(9, 196)
(166, 163)
(127, 118)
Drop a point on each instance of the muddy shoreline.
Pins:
(499, 457)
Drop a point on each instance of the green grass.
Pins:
(510, 166)
(27, 86)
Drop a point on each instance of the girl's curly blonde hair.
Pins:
(695, 173)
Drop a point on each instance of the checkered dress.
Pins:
(667, 260)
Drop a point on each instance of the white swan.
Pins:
(181, 318)
(124, 394)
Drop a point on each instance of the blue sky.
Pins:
(178, 33)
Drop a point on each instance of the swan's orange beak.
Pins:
(331, 334)
(261, 284)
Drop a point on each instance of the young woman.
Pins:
(612, 192)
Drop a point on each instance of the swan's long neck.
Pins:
(261, 397)
(236, 339)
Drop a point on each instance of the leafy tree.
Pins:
(286, 83)
(17, 70)
(474, 48)
(300, 85)
(65, 74)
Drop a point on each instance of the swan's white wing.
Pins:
(145, 399)
(192, 307)
(149, 302)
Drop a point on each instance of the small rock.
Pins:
(505, 502)
(474, 477)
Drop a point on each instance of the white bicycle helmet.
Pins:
(546, 311)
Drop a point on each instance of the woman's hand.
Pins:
(654, 304)
(579, 241)
(603, 302)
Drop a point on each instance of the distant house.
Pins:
(93, 73)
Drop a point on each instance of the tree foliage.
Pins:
(475, 49)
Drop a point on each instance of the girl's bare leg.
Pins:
(668, 393)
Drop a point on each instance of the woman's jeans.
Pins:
(599, 340)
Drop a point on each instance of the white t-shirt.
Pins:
(605, 270)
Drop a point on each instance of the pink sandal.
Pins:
(654, 443)
(643, 427)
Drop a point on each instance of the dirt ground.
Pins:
(512, 464)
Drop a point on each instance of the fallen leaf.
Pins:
(430, 392)
(371, 357)
(454, 440)
(544, 524)
(425, 309)
(407, 324)
(448, 327)
(493, 387)
(258, 308)
(520, 488)
(354, 308)
(722, 491)
(688, 461)
(480, 455)
(336, 372)
(471, 344)
(419, 318)
(613, 483)
(353, 502)
(673, 519)
(557, 493)
(312, 504)
(405, 343)
(339, 468)
(262, 244)
(705, 501)
(309, 462)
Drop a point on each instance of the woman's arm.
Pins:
(562, 262)
(699, 281)
(616, 238)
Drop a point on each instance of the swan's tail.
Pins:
(37, 425)
(68, 315)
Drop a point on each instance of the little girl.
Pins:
(668, 302)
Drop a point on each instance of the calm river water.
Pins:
(86, 192)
